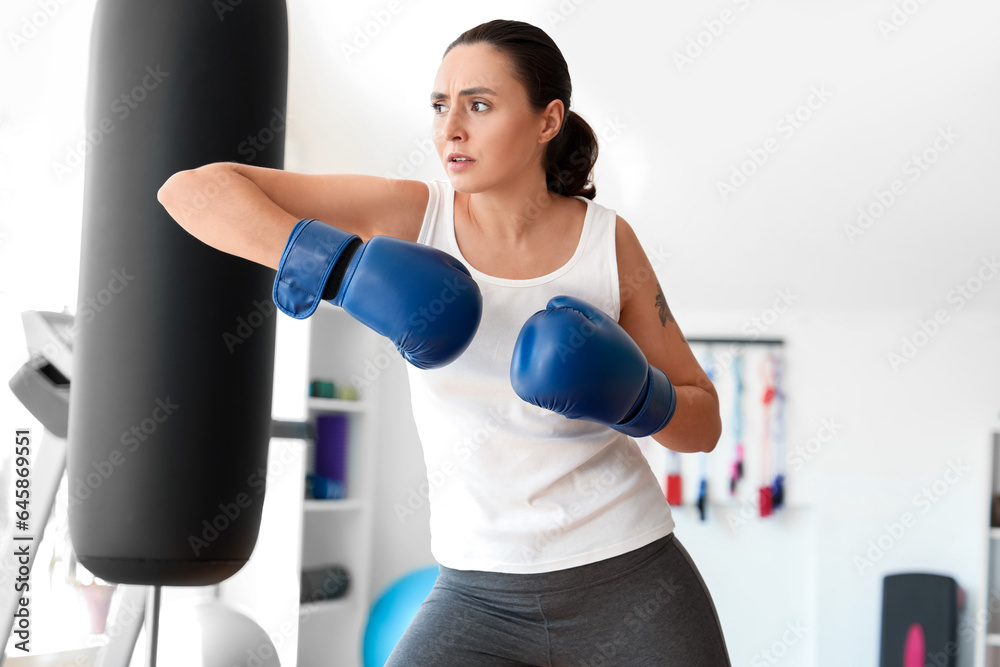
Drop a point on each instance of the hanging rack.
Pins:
(738, 341)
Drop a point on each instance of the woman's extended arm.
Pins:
(249, 211)
(696, 425)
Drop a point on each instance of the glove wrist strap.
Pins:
(312, 266)
(654, 408)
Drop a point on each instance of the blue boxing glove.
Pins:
(421, 298)
(573, 359)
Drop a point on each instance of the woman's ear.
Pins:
(553, 120)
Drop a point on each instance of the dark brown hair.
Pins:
(540, 67)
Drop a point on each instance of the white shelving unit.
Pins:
(990, 633)
(267, 587)
(298, 534)
(339, 532)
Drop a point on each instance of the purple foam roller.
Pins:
(331, 447)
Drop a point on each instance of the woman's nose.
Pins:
(453, 127)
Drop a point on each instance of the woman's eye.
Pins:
(435, 106)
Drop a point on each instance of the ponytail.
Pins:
(570, 158)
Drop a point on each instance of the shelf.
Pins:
(337, 405)
(343, 505)
(327, 606)
(993, 639)
(736, 504)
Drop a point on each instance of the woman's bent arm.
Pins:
(696, 425)
(224, 209)
(250, 211)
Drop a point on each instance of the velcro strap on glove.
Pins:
(315, 254)
(653, 409)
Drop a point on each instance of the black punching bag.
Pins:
(170, 404)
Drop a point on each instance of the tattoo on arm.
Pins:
(661, 303)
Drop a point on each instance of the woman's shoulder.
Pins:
(628, 250)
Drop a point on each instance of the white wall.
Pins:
(680, 132)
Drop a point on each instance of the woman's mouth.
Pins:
(459, 163)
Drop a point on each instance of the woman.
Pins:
(555, 543)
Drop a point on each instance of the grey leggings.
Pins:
(646, 607)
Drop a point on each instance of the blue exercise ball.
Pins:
(392, 613)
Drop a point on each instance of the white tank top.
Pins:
(514, 487)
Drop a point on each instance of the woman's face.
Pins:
(482, 112)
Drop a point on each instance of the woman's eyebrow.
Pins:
(479, 90)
